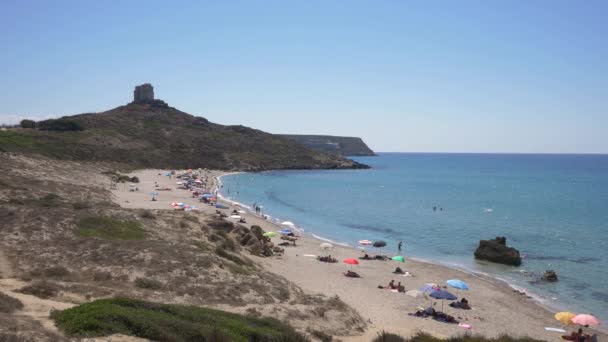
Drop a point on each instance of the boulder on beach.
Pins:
(550, 275)
(497, 251)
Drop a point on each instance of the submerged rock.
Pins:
(550, 275)
(496, 250)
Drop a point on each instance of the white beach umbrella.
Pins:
(288, 223)
(326, 245)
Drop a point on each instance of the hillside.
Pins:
(154, 135)
(344, 146)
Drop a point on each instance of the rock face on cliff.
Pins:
(496, 250)
(344, 146)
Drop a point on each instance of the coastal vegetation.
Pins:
(109, 228)
(168, 322)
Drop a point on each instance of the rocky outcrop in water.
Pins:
(497, 251)
(550, 275)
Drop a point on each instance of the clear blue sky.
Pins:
(453, 76)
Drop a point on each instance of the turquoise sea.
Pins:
(553, 208)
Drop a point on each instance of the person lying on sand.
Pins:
(443, 317)
(351, 274)
(424, 313)
(381, 257)
(366, 257)
(398, 270)
(462, 304)
(327, 259)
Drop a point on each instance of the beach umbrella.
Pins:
(398, 258)
(458, 284)
(565, 317)
(288, 223)
(379, 244)
(441, 294)
(351, 261)
(415, 293)
(269, 234)
(429, 288)
(586, 319)
(365, 242)
(326, 245)
(285, 231)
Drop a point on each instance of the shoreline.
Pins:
(494, 280)
(497, 308)
(481, 275)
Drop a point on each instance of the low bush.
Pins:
(149, 284)
(167, 322)
(232, 257)
(56, 272)
(28, 123)
(41, 289)
(9, 304)
(147, 214)
(59, 125)
(109, 228)
(80, 205)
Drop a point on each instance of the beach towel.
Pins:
(396, 291)
(465, 326)
(555, 329)
(310, 255)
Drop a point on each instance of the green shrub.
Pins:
(167, 322)
(150, 284)
(28, 123)
(109, 228)
(59, 125)
(9, 304)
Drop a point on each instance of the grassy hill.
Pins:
(158, 136)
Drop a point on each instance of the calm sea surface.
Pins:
(553, 208)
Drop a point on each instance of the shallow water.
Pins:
(553, 208)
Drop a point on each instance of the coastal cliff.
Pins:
(151, 134)
(344, 146)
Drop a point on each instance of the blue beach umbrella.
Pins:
(285, 231)
(441, 294)
(458, 284)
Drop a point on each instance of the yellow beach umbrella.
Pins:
(565, 317)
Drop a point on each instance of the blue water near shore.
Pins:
(553, 208)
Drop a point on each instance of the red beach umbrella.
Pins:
(351, 261)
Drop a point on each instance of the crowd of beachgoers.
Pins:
(392, 291)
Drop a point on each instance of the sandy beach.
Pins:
(496, 308)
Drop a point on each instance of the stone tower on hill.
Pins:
(143, 93)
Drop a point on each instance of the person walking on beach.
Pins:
(399, 245)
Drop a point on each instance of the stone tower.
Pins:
(143, 93)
